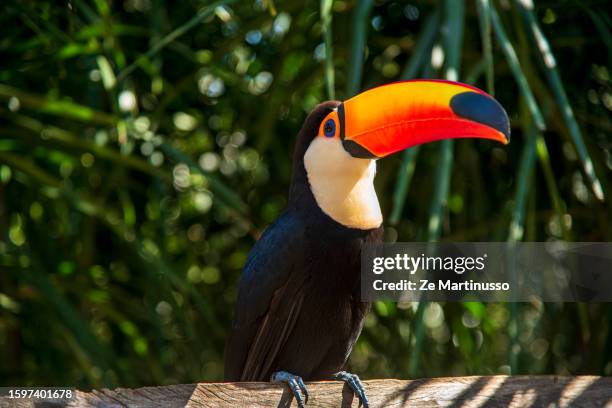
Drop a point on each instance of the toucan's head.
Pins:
(340, 141)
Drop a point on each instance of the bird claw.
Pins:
(295, 383)
(355, 384)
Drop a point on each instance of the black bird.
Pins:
(299, 311)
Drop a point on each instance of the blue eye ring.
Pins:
(329, 129)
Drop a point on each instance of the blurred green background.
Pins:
(145, 145)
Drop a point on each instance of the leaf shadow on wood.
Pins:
(405, 392)
(471, 392)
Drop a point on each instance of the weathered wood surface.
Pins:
(493, 391)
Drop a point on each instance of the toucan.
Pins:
(299, 311)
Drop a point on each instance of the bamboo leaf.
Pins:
(326, 20)
(441, 189)
(271, 7)
(484, 20)
(524, 177)
(551, 182)
(87, 11)
(517, 72)
(359, 35)
(404, 177)
(106, 72)
(29, 167)
(453, 38)
(56, 107)
(603, 29)
(422, 49)
(475, 72)
(554, 79)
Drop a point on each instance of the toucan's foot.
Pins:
(295, 383)
(356, 385)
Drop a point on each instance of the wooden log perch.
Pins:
(493, 391)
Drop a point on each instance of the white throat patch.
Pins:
(342, 185)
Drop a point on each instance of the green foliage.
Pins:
(145, 145)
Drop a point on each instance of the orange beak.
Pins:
(394, 117)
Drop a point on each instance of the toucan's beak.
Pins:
(394, 117)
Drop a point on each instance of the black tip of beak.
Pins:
(482, 109)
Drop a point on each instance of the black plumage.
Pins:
(299, 307)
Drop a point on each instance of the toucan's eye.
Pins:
(329, 129)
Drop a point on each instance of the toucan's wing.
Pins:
(269, 301)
